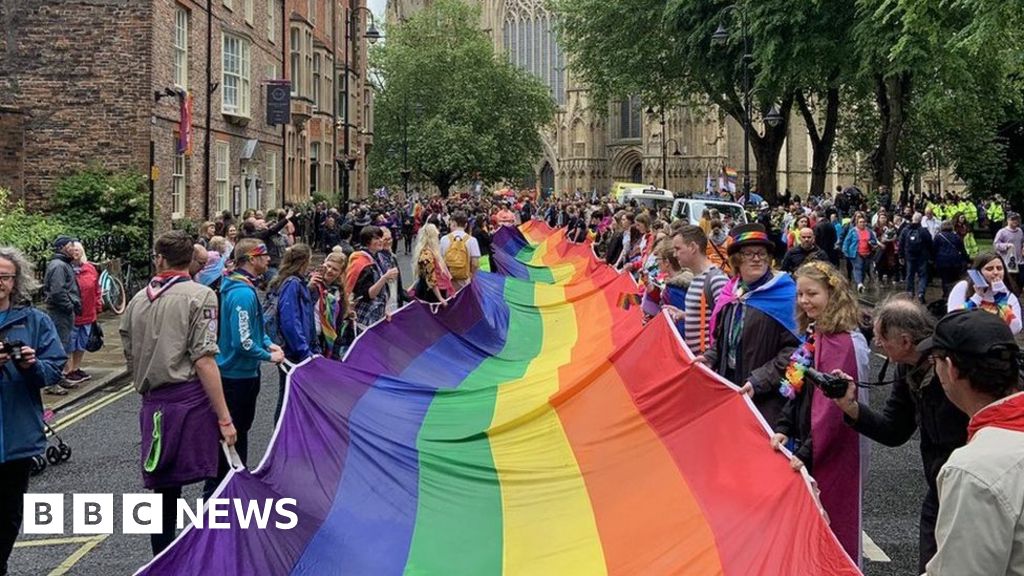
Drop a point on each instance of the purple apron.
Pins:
(179, 436)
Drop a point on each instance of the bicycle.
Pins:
(112, 285)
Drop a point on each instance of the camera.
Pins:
(831, 386)
(12, 348)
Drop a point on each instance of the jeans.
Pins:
(917, 269)
(13, 485)
(240, 394)
(861, 266)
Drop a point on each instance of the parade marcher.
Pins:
(804, 251)
(169, 333)
(753, 325)
(232, 237)
(931, 222)
(810, 425)
(387, 260)
(859, 247)
(689, 245)
(980, 527)
(63, 301)
(887, 263)
(718, 246)
(207, 230)
(916, 399)
(825, 236)
(330, 234)
(916, 249)
(35, 364)
(995, 295)
(366, 281)
(243, 344)
(295, 312)
(1008, 242)
(613, 250)
(88, 279)
(480, 230)
(460, 251)
(950, 257)
(334, 321)
(433, 282)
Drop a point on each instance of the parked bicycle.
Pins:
(113, 281)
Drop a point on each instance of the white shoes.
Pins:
(860, 288)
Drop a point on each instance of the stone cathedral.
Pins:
(588, 151)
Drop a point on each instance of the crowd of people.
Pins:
(769, 304)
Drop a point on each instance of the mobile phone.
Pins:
(977, 278)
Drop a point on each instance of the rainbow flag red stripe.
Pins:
(531, 427)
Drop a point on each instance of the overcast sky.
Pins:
(377, 6)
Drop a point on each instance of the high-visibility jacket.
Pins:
(995, 212)
(971, 212)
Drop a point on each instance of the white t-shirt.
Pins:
(472, 245)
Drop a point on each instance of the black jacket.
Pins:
(763, 363)
(826, 238)
(614, 248)
(797, 256)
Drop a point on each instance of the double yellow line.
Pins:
(92, 408)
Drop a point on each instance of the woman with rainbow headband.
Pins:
(995, 296)
(811, 426)
(335, 322)
(753, 328)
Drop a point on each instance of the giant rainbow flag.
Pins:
(531, 428)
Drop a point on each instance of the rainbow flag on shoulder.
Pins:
(533, 427)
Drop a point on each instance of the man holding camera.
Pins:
(31, 358)
(917, 397)
(980, 528)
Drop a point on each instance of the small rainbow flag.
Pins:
(628, 300)
(532, 427)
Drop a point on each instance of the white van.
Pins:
(652, 198)
(690, 209)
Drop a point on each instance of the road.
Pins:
(103, 432)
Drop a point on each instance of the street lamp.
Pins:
(352, 43)
(719, 38)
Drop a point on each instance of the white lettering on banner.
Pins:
(244, 332)
(143, 514)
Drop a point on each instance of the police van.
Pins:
(690, 209)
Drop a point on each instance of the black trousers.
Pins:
(240, 394)
(13, 486)
(927, 547)
(169, 496)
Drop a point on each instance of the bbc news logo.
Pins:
(144, 513)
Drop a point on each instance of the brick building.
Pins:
(87, 81)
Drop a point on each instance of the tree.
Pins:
(458, 109)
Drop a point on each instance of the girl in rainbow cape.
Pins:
(811, 425)
(995, 297)
(753, 327)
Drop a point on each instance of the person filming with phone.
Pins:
(988, 288)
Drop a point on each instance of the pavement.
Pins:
(107, 367)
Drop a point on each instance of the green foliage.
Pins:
(462, 111)
(30, 233)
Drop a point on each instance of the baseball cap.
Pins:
(61, 241)
(971, 333)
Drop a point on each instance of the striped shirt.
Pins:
(695, 326)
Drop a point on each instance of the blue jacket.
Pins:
(853, 238)
(21, 407)
(949, 250)
(295, 313)
(243, 342)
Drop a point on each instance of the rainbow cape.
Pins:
(532, 427)
(357, 262)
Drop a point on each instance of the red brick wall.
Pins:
(12, 153)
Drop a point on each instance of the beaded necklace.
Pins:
(801, 359)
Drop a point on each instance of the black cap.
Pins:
(61, 241)
(971, 333)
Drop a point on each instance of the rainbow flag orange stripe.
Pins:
(532, 427)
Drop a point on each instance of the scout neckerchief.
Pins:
(163, 282)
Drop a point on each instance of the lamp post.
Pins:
(774, 116)
(664, 157)
(351, 44)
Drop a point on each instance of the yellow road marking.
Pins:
(54, 541)
(90, 409)
(872, 551)
(77, 555)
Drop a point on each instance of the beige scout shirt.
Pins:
(164, 338)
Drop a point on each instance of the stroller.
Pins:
(55, 454)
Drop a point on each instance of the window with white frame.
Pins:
(249, 10)
(272, 21)
(223, 176)
(270, 184)
(236, 83)
(296, 60)
(316, 81)
(181, 48)
(179, 185)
